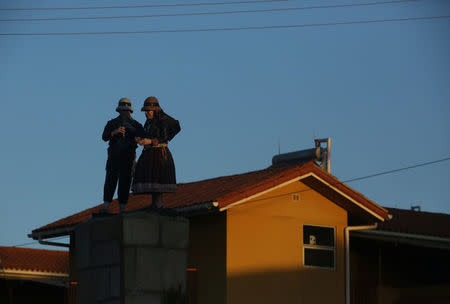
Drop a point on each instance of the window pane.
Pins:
(321, 236)
(319, 257)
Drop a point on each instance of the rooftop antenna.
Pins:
(279, 146)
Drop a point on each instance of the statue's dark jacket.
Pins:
(121, 155)
(163, 129)
(118, 144)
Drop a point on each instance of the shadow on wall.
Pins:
(312, 286)
(438, 294)
(299, 286)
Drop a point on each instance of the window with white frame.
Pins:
(319, 249)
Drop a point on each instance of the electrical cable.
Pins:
(396, 170)
(360, 178)
(229, 28)
(35, 242)
(211, 13)
(141, 6)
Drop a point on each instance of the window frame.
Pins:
(319, 247)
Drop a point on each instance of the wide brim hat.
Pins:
(124, 105)
(151, 104)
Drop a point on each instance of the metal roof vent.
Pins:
(319, 154)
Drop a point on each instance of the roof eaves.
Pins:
(45, 233)
(33, 271)
(40, 234)
(298, 173)
(226, 202)
(41, 276)
(409, 238)
(335, 183)
(291, 174)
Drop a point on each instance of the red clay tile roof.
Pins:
(39, 260)
(224, 190)
(417, 222)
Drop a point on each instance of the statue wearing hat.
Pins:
(120, 132)
(155, 169)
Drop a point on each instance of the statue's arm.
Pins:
(140, 136)
(140, 132)
(107, 132)
(172, 129)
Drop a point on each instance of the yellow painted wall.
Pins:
(264, 260)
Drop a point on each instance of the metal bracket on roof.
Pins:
(53, 243)
(324, 153)
(198, 208)
(51, 233)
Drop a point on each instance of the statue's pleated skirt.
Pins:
(155, 172)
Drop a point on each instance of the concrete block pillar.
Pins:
(135, 258)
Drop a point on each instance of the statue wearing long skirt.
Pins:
(155, 169)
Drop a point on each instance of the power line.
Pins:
(396, 170)
(24, 244)
(361, 178)
(35, 242)
(141, 6)
(229, 28)
(212, 13)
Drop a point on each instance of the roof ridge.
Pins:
(287, 170)
(237, 174)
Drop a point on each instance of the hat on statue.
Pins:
(151, 104)
(124, 105)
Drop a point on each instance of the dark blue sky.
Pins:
(380, 91)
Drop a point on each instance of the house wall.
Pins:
(265, 249)
(207, 259)
(394, 272)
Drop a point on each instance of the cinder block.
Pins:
(175, 273)
(103, 284)
(143, 299)
(108, 228)
(82, 245)
(141, 229)
(129, 265)
(150, 265)
(174, 232)
(153, 252)
(114, 281)
(105, 252)
(87, 286)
